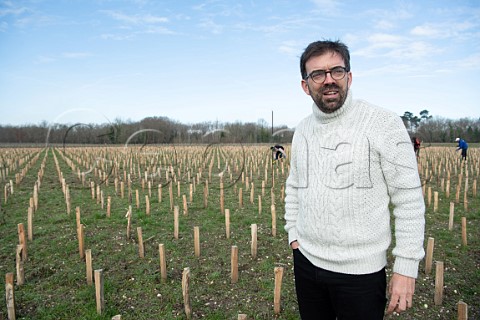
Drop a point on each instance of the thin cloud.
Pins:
(444, 30)
(136, 19)
(327, 6)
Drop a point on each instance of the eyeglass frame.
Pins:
(326, 72)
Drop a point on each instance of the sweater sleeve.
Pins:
(297, 179)
(400, 170)
(291, 197)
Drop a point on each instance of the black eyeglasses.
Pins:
(318, 76)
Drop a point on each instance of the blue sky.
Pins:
(192, 61)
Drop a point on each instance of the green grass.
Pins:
(55, 281)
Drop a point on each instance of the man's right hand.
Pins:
(294, 245)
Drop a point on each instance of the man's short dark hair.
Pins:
(319, 48)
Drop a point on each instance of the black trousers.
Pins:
(328, 295)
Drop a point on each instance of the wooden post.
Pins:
(474, 188)
(274, 221)
(10, 296)
(141, 251)
(254, 240)
(242, 316)
(252, 193)
(240, 197)
(147, 205)
(186, 292)
(163, 263)
(159, 193)
(185, 206)
(196, 240)
(78, 216)
(435, 201)
(222, 199)
(99, 291)
(278, 289)
(259, 204)
(109, 206)
(170, 193)
(88, 264)
(22, 240)
(81, 233)
(429, 196)
(429, 256)
(227, 223)
(205, 196)
(30, 223)
(439, 283)
(451, 215)
(129, 221)
(234, 265)
(137, 198)
(457, 194)
(19, 266)
(464, 231)
(447, 189)
(175, 222)
(462, 310)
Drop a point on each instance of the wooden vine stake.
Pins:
(185, 206)
(435, 201)
(274, 221)
(234, 265)
(30, 223)
(22, 240)
(175, 222)
(81, 242)
(78, 216)
(137, 198)
(196, 240)
(147, 205)
(462, 310)
(19, 265)
(227, 223)
(429, 255)
(240, 197)
(450, 218)
(129, 221)
(99, 291)
(429, 196)
(254, 240)
(439, 283)
(141, 249)
(9, 296)
(88, 265)
(242, 316)
(186, 292)
(163, 263)
(278, 289)
(222, 199)
(464, 231)
(109, 206)
(259, 204)
(205, 195)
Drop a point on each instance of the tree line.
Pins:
(438, 129)
(151, 130)
(162, 130)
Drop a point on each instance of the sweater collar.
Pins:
(323, 117)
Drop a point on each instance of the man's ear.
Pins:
(305, 87)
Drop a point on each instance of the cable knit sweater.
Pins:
(346, 167)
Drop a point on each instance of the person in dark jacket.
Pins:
(462, 145)
(416, 146)
(278, 152)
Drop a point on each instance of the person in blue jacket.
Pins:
(462, 144)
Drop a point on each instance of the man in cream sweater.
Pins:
(349, 161)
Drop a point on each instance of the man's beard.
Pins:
(324, 103)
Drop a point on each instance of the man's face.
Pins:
(330, 95)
